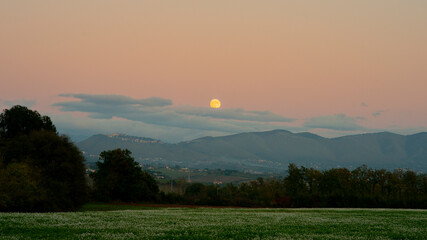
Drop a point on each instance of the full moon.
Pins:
(215, 103)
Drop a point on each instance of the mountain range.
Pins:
(271, 151)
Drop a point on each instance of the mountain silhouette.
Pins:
(271, 151)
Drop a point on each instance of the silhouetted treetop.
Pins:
(21, 120)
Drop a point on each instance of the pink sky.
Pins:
(298, 59)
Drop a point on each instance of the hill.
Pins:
(271, 151)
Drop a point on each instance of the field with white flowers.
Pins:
(217, 223)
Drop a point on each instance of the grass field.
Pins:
(215, 223)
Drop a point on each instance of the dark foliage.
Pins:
(308, 187)
(39, 170)
(20, 120)
(119, 178)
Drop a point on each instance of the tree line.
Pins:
(362, 187)
(43, 171)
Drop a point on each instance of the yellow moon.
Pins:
(215, 103)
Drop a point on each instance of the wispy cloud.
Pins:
(115, 100)
(335, 122)
(235, 114)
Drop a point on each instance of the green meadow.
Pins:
(135, 222)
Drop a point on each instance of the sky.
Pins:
(150, 68)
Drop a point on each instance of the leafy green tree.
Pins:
(360, 181)
(119, 178)
(312, 178)
(196, 193)
(194, 189)
(294, 182)
(40, 171)
(20, 188)
(410, 184)
(335, 186)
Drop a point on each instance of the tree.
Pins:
(40, 170)
(20, 188)
(196, 193)
(294, 182)
(20, 120)
(119, 178)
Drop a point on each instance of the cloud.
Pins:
(236, 114)
(159, 112)
(363, 104)
(116, 100)
(339, 122)
(377, 113)
(23, 102)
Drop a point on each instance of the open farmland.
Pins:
(217, 223)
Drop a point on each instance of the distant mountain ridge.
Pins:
(272, 151)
